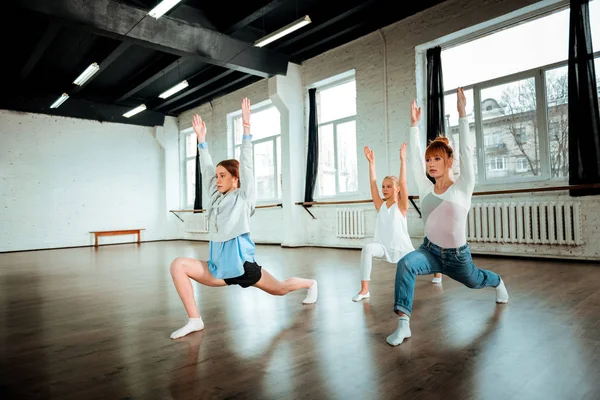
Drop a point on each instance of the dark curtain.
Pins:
(584, 119)
(198, 198)
(312, 160)
(435, 95)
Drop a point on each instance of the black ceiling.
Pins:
(47, 44)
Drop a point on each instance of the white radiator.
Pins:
(556, 222)
(196, 223)
(350, 223)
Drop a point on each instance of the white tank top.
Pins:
(391, 231)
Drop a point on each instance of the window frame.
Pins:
(474, 32)
(518, 168)
(539, 76)
(336, 82)
(231, 118)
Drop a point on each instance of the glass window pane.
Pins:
(597, 67)
(347, 162)
(190, 145)
(451, 127)
(326, 179)
(265, 123)
(264, 171)
(557, 97)
(510, 133)
(337, 102)
(279, 174)
(595, 24)
(532, 44)
(237, 130)
(190, 181)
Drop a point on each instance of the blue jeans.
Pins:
(429, 259)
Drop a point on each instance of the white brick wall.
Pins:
(365, 55)
(62, 177)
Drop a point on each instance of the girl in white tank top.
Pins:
(391, 240)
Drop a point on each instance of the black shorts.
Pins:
(252, 274)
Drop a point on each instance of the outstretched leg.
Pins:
(461, 268)
(182, 270)
(271, 285)
(366, 263)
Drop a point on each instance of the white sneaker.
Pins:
(360, 297)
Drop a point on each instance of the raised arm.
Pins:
(209, 177)
(377, 201)
(247, 185)
(466, 180)
(403, 195)
(417, 160)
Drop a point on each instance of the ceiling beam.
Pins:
(212, 92)
(232, 29)
(112, 19)
(112, 57)
(76, 107)
(193, 90)
(254, 16)
(192, 15)
(153, 78)
(322, 25)
(40, 48)
(330, 38)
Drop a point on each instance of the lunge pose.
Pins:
(231, 192)
(445, 206)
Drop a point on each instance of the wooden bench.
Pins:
(115, 233)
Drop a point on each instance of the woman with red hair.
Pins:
(445, 206)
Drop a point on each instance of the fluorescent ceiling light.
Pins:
(162, 8)
(136, 110)
(286, 30)
(87, 74)
(174, 89)
(60, 100)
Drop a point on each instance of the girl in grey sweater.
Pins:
(232, 199)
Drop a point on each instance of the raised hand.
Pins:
(370, 154)
(199, 128)
(461, 102)
(245, 111)
(403, 151)
(415, 113)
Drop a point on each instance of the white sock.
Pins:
(403, 332)
(193, 325)
(436, 280)
(501, 293)
(311, 295)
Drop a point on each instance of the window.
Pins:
(451, 127)
(266, 140)
(520, 135)
(521, 93)
(338, 163)
(522, 164)
(190, 168)
(496, 164)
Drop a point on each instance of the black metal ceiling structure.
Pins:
(48, 44)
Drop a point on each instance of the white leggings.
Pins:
(366, 258)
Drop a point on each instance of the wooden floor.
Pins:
(95, 324)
